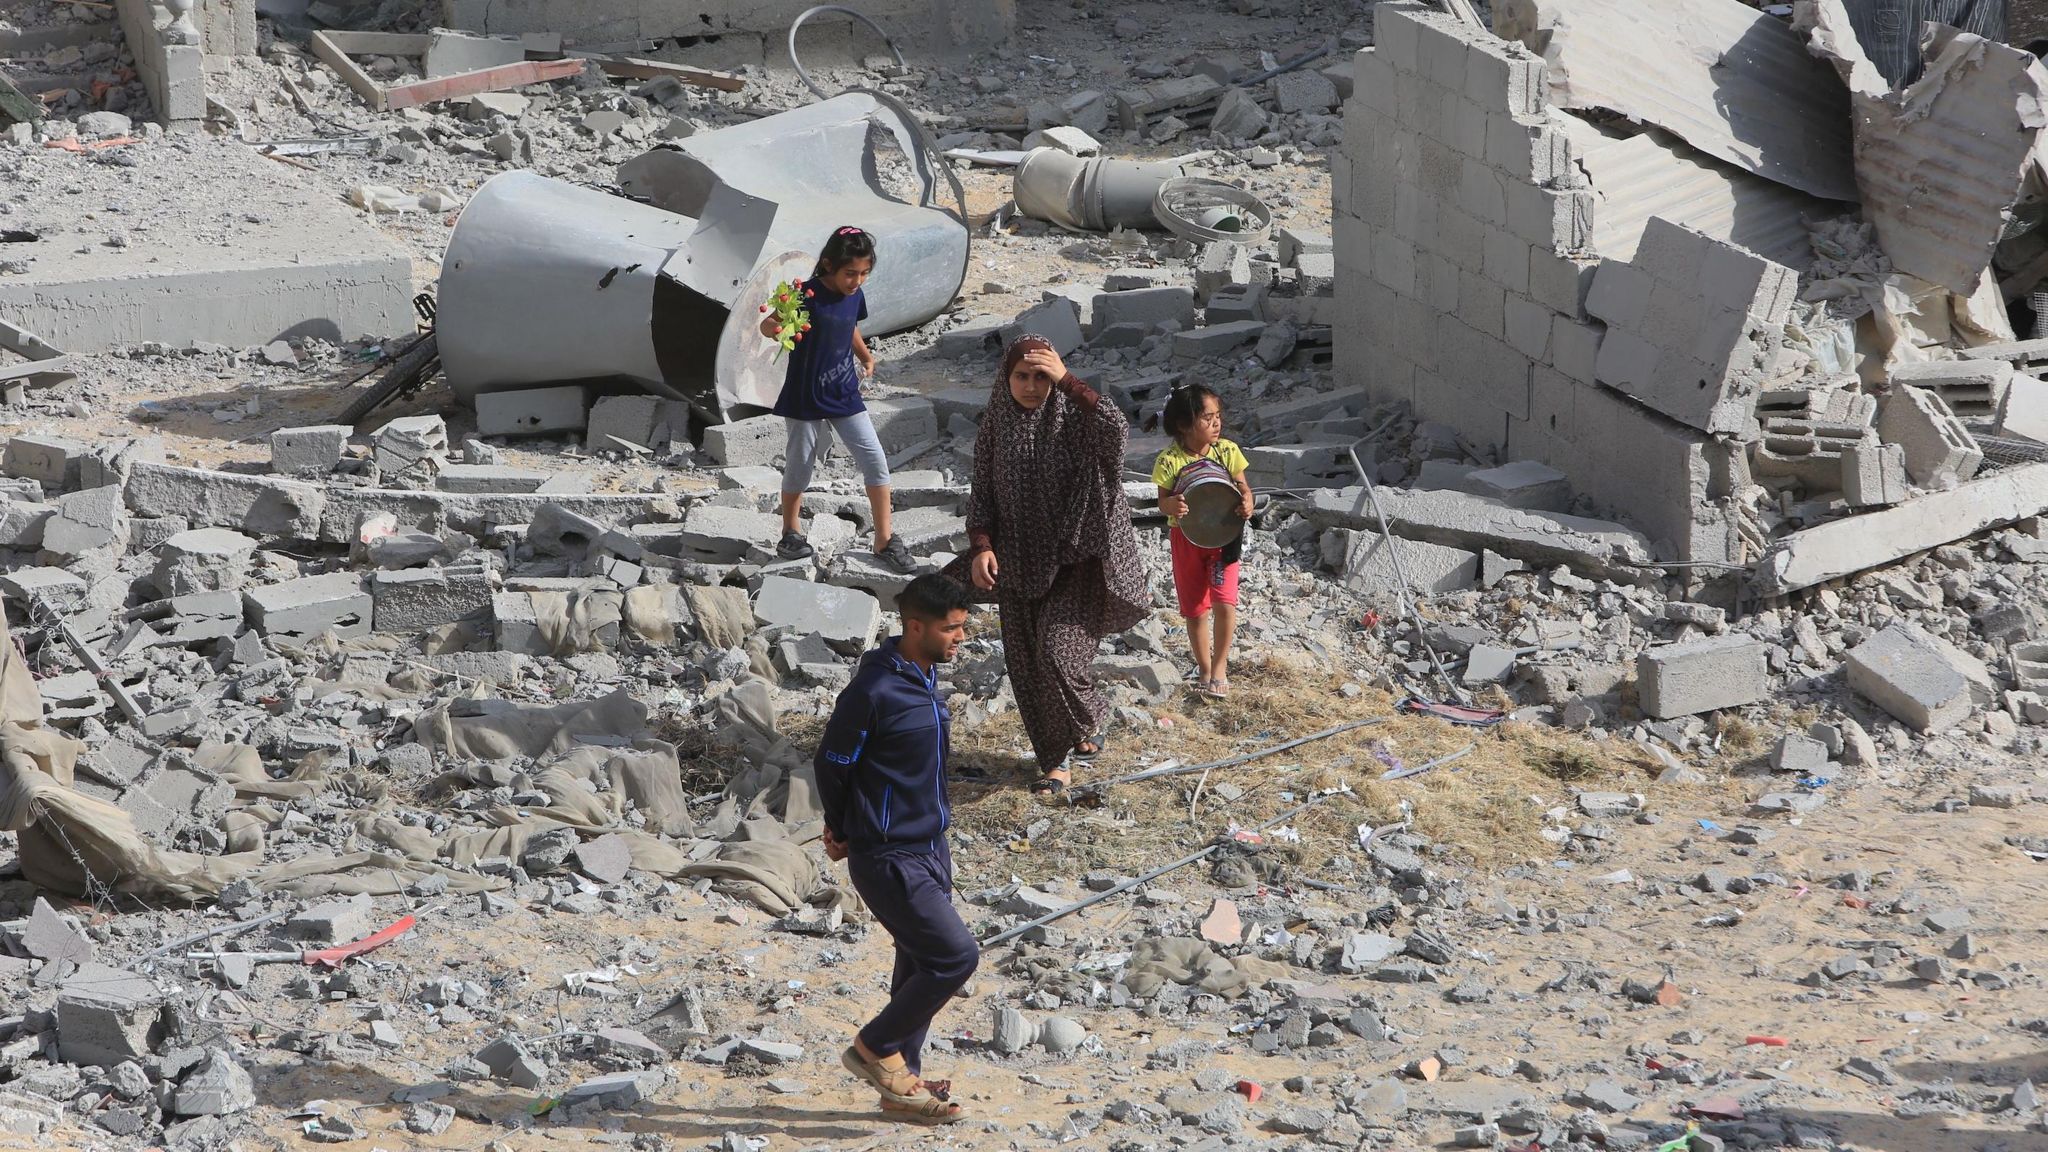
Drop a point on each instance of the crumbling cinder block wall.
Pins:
(1464, 270)
(174, 73)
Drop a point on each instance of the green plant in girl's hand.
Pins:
(792, 319)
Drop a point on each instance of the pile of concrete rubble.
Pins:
(531, 657)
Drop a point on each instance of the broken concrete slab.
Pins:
(264, 505)
(309, 451)
(1461, 520)
(1847, 546)
(1903, 671)
(52, 461)
(756, 440)
(472, 512)
(202, 560)
(845, 617)
(106, 1016)
(1702, 675)
(304, 608)
(2024, 410)
(305, 265)
(421, 599)
(1364, 563)
(532, 411)
(724, 535)
(1522, 484)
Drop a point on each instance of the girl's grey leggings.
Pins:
(807, 443)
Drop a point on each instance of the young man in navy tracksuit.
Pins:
(882, 777)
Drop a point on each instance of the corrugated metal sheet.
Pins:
(1653, 174)
(1723, 77)
(1940, 163)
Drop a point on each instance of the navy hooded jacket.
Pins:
(881, 765)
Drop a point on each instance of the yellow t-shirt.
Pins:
(1174, 458)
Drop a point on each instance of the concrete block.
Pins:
(904, 422)
(2024, 412)
(85, 521)
(532, 411)
(1939, 451)
(928, 530)
(54, 586)
(629, 418)
(724, 535)
(408, 442)
(1058, 320)
(759, 440)
(846, 618)
(1239, 116)
(1302, 91)
(1526, 325)
(449, 53)
(420, 599)
(106, 1016)
(262, 505)
(304, 608)
(490, 478)
(1873, 474)
(1148, 307)
(556, 530)
(1970, 387)
(22, 523)
(1907, 673)
(1503, 76)
(1216, 339)
(309, 451)
(1219, 265)
(1364, 563)
(1522, 484)
(333, 922)
(202, 560)
(1294, 243)
(1232, 303)
(1701, 675)
(52, 461)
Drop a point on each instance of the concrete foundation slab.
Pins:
(304, 266)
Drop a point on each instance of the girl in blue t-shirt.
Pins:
(822, 387)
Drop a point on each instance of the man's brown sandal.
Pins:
(931, 1110)
(895, 1084)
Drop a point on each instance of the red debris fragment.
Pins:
(1250, 1090)
(1767, 1041)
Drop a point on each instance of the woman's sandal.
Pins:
(1050, 785)
(1087, 756)
(1217, 689)
(884, 1080)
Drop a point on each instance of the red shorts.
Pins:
(1201, 579)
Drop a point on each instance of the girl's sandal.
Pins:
(894, 1084)
(1218, 689)
(930, 1110)
(1088, 755)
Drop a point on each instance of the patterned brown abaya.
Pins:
(1048, 498)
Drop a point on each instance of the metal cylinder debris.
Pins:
(1089, 195)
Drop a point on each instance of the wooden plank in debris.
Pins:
(30, 369)
(16, 108)
(497, 79)
(331, 49)
(634, 68)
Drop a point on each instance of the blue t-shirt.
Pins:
(823, 382)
